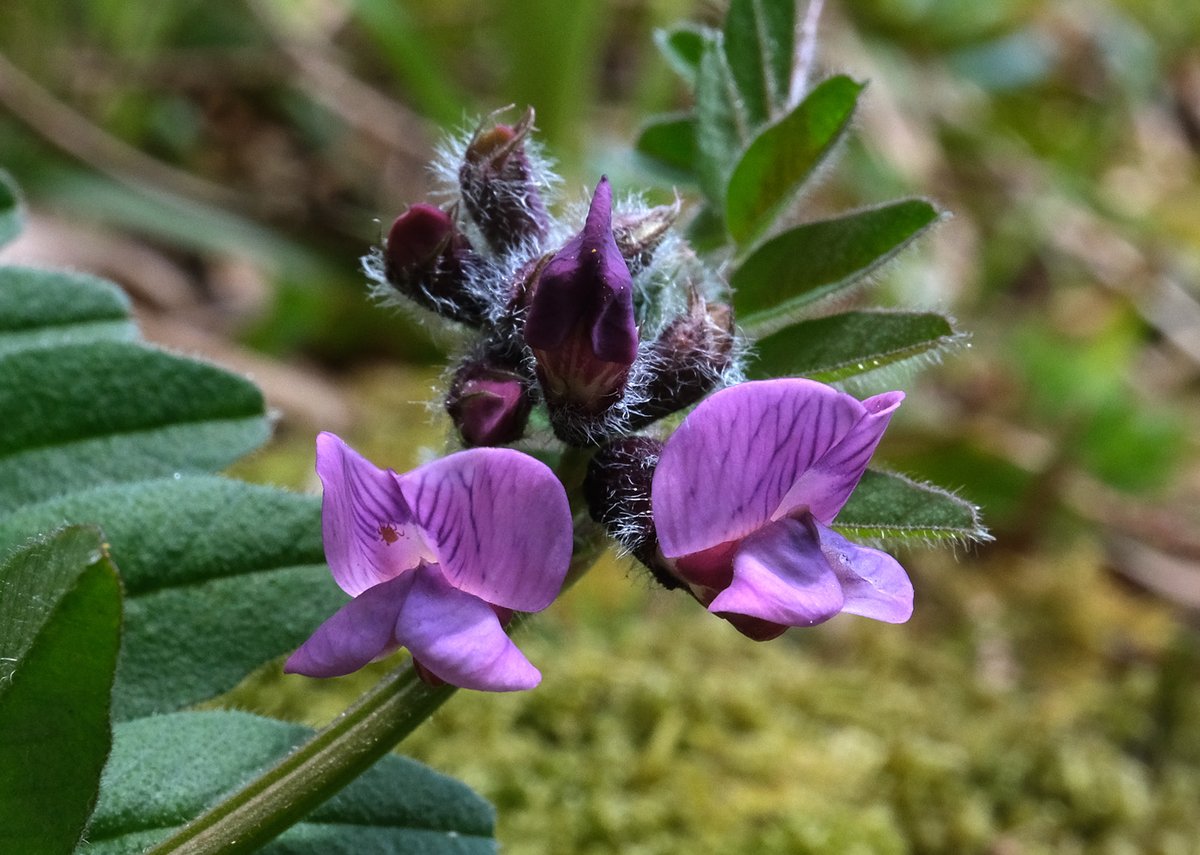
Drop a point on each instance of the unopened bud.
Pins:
(580, 323)
(688, 359)
(639, 234)
(499, 189)
(429, 260)
(489, 405)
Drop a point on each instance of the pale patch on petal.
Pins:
(780, 575)
(874, 583)
(499, 523)
(727, 468)
(357, 634)
(458, 637)
(369, 532)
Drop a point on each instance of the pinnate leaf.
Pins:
(670, 143)
(11, 215)
(44, 308)
(839, 346)
(778, 161)
(815, 261)
(682, 48)
(166, 769)
(220, 577)
(721, 130)
(83, 414)
(890, 507)
(60, 622)
(759, 44)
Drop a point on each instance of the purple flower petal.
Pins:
(458, 638)
(499, 522)
(726, 469)
(874, 583)
(825, 488)
(587, 284)
(369, 532)
(357, 634)
(780, 575)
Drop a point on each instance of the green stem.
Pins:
(287, 792)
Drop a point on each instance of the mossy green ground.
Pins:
(1032, 705)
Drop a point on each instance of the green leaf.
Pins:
(886, 506)
(840, 346)
(759, 44)
(83, 414)
(682, 48)
(166, 769)
(670, 143)
(220, 577)
(11, 215)
(44, 308)
(720, 123)
(817, 260)
(60, 626)
(779, 160)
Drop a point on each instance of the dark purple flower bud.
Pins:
(639, 234)
(429, 260)
(499, 189)
(617, 490)
(580, 323)
(688, 358)
(489, 405)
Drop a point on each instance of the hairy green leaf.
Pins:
(166, 769)
(60, 625)
(44, 308)
(817, 260)
(11, 215)
(82, 414)
(220, 577)
(776, 164)
(759, 44)
(682, 48)
(840, 346)
(670, 143)
(720, 123)
(886, 506)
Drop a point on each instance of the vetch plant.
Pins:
(590, 330)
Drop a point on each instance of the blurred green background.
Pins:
(228, 163)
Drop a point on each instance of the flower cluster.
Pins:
(611, 325)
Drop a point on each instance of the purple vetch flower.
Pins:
(743, 496)
(437, 560)
(580, 323)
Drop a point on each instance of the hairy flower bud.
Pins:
(499, 188)
(688, 359)
(580, 322)
(489, 404)
(617, 489)
(639, 234)
(428, 259)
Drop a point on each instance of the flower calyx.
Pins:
(500, 189)
(427, 259)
